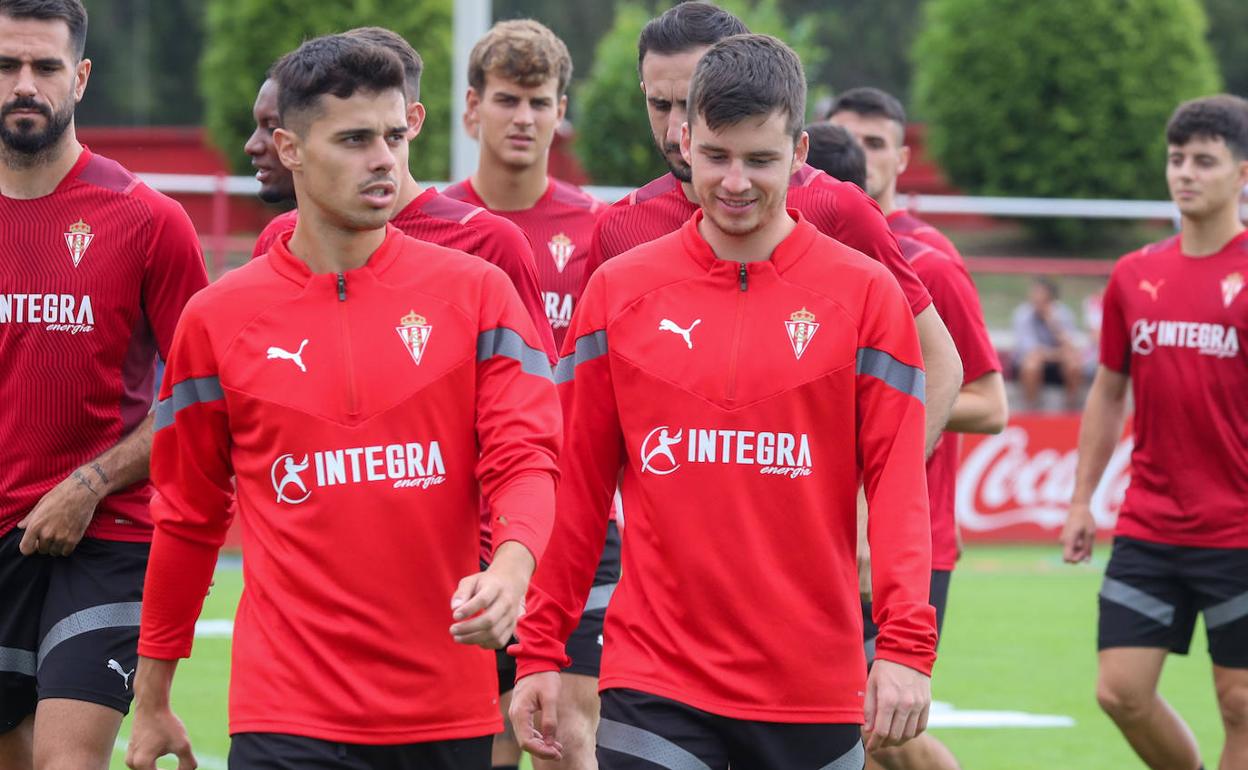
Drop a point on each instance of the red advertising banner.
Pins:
(1016, 485)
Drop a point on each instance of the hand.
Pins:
(1078, 534)
(533, 694)
(487, 605)
(57, 522)
(896, 706)
(157, 731)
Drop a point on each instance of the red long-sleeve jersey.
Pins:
(838, 209)
(744, 403)
(361, 414)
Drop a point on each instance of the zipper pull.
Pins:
(342, 287)
(744, 276)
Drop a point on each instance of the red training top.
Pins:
(744, 403)
(838, 209)
(93, 277)
(360, 413)
(560, 226)
(904, 222)
(1176, 324)
(956, 300)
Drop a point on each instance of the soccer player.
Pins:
(361, 386)
(95, 268)
(276, 184)
(426, 215)
(981, 407)
(518, 77)
(1175, 318)
(702, 367)
(668, 49)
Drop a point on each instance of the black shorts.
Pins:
(639, 731)
(275, 751)
(585, 644)
(69, 626)
(938, 596)
(1153, 592)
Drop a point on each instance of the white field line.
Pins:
(214, 629)
(946, 715)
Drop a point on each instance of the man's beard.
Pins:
(26, 146)
(681, 171)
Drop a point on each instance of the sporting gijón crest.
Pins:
(78, 238)
(414, 330)
(561, 250)
(801, 327)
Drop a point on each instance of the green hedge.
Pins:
(243, 37)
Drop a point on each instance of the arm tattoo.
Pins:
(99, 472)
(82, 480)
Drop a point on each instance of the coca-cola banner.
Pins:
(1017, 484)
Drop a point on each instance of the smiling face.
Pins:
(514, 123)
(276, 184)
(741, 172)
(347, 157)
(665, 83)
(1204, 176)
(41, 82)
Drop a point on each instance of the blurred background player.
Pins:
(1174, 326)
(359, 455)
(1046, 349)
(518, 77)
(95, 268)
(981, 407)
(276, 184)
(428, 216)
(680, 345)
(667, 52)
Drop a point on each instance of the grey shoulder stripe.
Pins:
(1228, 611)
(91, 619)
(881, 365)
(850, 760)
(14, 660)
(1133, 598)
(588, 347)
(645, 745)
(509, 344)
(197, 390)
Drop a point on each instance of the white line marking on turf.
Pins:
(946, 715)
(214, 629)
(206, 761)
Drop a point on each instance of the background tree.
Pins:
(1055, 99)
(1228, 34)
(244, 37)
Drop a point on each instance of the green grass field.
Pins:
(1020, 637)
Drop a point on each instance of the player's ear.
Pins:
(415, 119)
(472, 113)
(563, 106)
(286, 143)
(686, 143)
(903, 157)
(82, 73)
(800, 151)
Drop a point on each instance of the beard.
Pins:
(25, 143)
(676, 164)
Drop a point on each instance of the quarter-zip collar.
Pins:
(290, 266)
(786, 254)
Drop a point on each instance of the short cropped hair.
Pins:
(836, 152)
(338, 65)
(522, 51)
(1223, 116)
(413, 65)
(870, 102)
(71, 12)
(745, 76)
(687, 26)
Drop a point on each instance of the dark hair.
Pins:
(338, 65)
(871, 102)
(835, 151)
(413, 65)
(1049, 285)
(687, 26)
(747, 75)
(69, 11)
(1222, 116)
(522, 51)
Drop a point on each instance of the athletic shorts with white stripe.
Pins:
(1153, 591)
(639, 731)
(69, 626)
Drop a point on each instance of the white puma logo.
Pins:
(115, 666)
(1151, 288)
(670, 326)
(297, 356)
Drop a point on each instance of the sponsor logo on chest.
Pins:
(1209, 339)
(665, 450)
(404, 466)
(558, 309)
(55, 312)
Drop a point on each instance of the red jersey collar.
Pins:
(785, 255)
(294, 268)
(475, 198)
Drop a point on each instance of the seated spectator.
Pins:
(1046, 350)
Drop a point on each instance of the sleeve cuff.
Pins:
(178, 575)
(524, 512)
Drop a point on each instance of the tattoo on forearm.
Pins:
(82, 480)
(99, 472)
